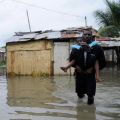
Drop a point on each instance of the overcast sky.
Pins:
(45, 15)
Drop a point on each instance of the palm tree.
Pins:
(109, 20)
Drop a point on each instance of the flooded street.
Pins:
(54, 98)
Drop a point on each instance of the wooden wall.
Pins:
(30, 58)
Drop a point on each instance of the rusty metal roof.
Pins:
(45, 35)
(48, 35)
(63, 34)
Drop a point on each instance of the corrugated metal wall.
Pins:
(61, 57)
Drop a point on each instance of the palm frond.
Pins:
(111, 16)
(102, 18)
(114, 8)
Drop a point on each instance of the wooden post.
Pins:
(117, 49)
(85, 21)
(112, 55)
(28, 20)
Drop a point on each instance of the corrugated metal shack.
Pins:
(29, 57)
(111, 48)
(41, 53)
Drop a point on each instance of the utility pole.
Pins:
(28, 20)
(85, 21)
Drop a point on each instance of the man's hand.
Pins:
(99, 80)
(78, 68)
(63, 69)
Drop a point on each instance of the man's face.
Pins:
(87, 36)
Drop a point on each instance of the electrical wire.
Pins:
(47, 9)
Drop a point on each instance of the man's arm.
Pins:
(70, 64)
(100, 57)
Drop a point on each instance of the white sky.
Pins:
(45, 15)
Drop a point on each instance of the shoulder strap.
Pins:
(75, 46)
(92, 43)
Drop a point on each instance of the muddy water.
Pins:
(53, 98)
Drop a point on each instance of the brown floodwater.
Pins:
(54, 98)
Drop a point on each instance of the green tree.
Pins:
(109, 20)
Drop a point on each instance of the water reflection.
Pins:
(27, 91)
(54, 98)
(108, 95)
(34, 97)
(86, 112)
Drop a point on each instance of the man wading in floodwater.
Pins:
(87, 62)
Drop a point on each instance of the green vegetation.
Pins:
(109, 20)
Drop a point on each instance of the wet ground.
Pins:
(44, 98)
